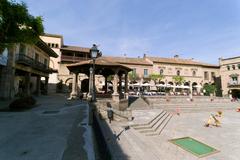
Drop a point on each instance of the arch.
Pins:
(178, 72)
(161, 82)
(193, 73)
(69, 80)
(194, 84)
(85, 85)
(186, 84)
(161, 72)
(236, 93)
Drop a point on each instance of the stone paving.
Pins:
(54, 130)
(136, 146)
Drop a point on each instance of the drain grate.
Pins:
(50, 112)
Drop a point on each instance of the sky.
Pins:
(204, 30)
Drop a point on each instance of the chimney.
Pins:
(176, 56)
(144, 56)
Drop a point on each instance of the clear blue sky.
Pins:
(201, 29)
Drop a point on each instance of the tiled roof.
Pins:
(127, 60)
(75, 48)
(101, 61)
(180, 61)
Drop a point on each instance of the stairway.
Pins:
(155, 126)
(138, 103)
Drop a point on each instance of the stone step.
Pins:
(148, 123)
(153, 122)
(155, 127)
(161, 126)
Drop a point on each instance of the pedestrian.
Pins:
(109, 113)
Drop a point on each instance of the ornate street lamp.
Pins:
(94, 52)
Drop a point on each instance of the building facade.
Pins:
(26, 71)
(194, 73)
(230, 76)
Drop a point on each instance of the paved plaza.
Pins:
(54, 130)
(132, 144)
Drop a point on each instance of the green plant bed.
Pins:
(193, 146)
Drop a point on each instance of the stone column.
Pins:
(120, 84)
(90, 92)
(74, 86)
(191, 91)
(7, 76)
(106, 86)
(38, 85)
(27, 84)
(115, 95)
(46, 85)
(126, 85)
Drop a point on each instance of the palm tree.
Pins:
(156, 77)
(133, 76)
(178, 79)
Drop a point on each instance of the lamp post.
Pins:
(94, 52)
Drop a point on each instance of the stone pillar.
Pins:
(90, 92)
(46, 85)
(115, 95)
(7, 76)
(191, 91)
(120, 84)
(106, 86)
(74, 86)
(126, 85)
(38, 85)
(27, 84)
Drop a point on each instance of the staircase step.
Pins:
(136, 126)
(161, 126)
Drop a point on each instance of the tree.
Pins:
(178, 79)
(209, 89)
(17, 25)
(156, 77)
(133, 76)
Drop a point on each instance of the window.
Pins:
(178, 73)
(233, 67)
(56, 45)
(49, 44)
(194, 73)
(145, 72)
(52, 45)
(238, 66)
(161, 71)
(45, 61)
(206, 76)
(212, 75)
(228, 67)
(36, 57)
(22, 49)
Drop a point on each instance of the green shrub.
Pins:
(22, 103)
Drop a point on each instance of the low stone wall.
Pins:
(120, 109)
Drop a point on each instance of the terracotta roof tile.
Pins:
(127, 60)
(76, 48)
(99, 61)
(179, 61)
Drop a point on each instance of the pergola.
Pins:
(103, 67)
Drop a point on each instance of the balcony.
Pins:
(73, 58)
(28, 61)
(234, 84)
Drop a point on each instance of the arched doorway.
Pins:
(85, 85)
(236, 93)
